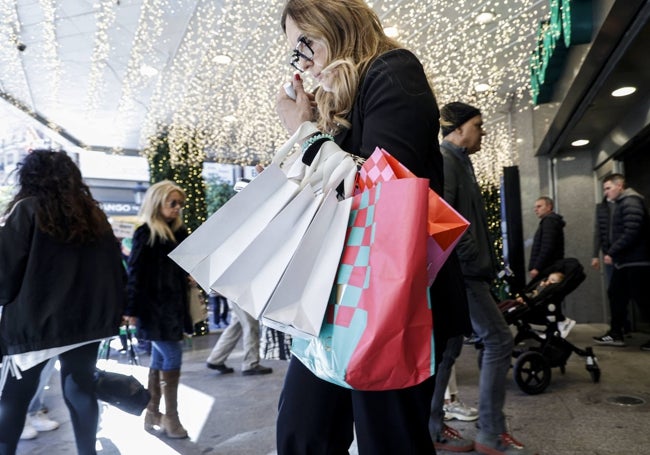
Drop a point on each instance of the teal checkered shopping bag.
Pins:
(378, 328)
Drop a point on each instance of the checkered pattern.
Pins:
(354, 271)
(375, 169)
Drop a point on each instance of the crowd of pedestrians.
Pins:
(64, 287)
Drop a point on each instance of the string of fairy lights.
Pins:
(216, 90)
(104, 19)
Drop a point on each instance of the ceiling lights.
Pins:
(580, 142)
(218, 58)
(623, 91)
(391, 32)
(485, 18)
(222, 59)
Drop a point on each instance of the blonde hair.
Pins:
(354, 37)
(154, 199)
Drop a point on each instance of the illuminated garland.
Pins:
(105, 17)
(226, 112)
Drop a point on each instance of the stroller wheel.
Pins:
(532, 372)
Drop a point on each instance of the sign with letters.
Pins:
(570, 23)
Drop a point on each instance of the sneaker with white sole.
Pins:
(566, 326)
(501, 444)
(29, 432)
(459, 411)
(41, 422)
(451, 440)
(610, 339)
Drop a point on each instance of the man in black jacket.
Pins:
(548, 243)
(629, 253)
(548, 247)
(462, 131)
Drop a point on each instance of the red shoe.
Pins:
(451, 440)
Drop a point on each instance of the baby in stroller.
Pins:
(540, 303)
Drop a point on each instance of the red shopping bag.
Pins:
(444, 224)
(378, 329)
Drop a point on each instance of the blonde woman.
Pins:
(157, 297)
(372, 93)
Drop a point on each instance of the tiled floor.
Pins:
(235, 415)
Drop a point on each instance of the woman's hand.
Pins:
(294, 113)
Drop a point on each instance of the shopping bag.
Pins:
(122, 391)
(329, 167)
(253, 276)
(298, 303)
(197, 305)
(378, 328)
(215, 245)
(445, 225)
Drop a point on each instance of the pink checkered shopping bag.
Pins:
(445, 225)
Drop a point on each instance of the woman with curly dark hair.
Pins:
(61, 291)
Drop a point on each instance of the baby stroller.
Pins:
(547, 349)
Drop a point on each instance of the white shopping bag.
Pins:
(217, 243)
(253, 276)
(298, 304)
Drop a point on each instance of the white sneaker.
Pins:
(566, 326)
(29, 432)
(458, 410)
(41, 422)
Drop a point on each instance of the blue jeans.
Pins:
(166, 355)
(489, 324)
(449, 356)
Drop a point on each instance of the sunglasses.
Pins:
(176, 203)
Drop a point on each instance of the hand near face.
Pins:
(294, 113)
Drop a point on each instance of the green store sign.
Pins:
(571, 22)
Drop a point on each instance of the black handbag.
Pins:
(122, 391)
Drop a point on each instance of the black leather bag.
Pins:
(122, 391)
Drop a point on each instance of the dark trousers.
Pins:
(77, 384)
(220, 311)
(316, 417)
(627, 283)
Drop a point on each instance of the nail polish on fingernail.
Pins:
(296, 76)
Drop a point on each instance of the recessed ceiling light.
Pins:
(580, 142)
(148, 71)
(482, 87)
(222, 59)
(391, 32)
(623, 91)
(485, 17)
(519, 140)
(568, 158)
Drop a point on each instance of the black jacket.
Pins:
(630, 233)
(475, 249)
(396, 110)
(548, 243)
(157, 288)
(601, 227)
(53, 293)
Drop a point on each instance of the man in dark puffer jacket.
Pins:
(548, 248)
(548, 244)
(629, 252)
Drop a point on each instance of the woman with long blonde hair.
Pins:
(371, 93)
(157, 300)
